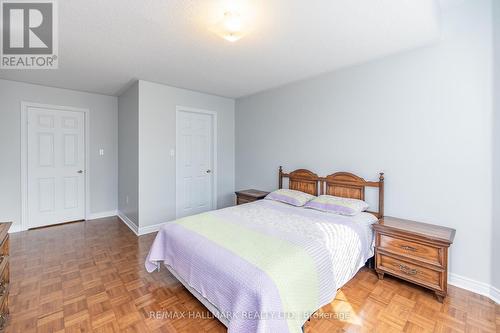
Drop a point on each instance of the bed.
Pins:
(267, 266)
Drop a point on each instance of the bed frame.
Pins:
(340, 184)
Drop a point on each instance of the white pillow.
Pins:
(292, 197)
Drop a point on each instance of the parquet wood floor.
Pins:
(89, 277)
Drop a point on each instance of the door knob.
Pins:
(208, 171)
(80, 171)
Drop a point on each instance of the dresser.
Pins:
(414, 251)
(251, 195)
(4, 274)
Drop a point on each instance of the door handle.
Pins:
(209, 171)
(80, 171)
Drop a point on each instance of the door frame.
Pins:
(213, 114)
(24, 156)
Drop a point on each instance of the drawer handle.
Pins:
(408, 248)
(407, 270)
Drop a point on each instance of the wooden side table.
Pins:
(413, 251)
(246, 196)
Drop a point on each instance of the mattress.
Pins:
(265, 266)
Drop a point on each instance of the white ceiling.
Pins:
(105, 44)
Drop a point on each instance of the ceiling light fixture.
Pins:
(232, 26)
(231, 19)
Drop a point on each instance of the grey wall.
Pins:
(128, 153)
(424, 117)
(157, 108)
(496, 149)
(103, 134)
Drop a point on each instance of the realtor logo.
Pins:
(29, 34)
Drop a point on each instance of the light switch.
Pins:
(101, 152)
(172, 152)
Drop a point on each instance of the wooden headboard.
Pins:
(301, 180)
(340, 184)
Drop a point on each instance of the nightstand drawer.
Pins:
(410, 271)
(243, 200)
(413, 250)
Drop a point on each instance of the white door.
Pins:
(195, 155)
(56, 166)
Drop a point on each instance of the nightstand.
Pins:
(251, 195)
(413, 251)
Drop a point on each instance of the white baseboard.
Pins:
(474, 286)
(139, 231)
(151, 228)
(15, 227)
(94, 216)
(128, 223)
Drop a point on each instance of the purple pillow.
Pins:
(337, 205)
